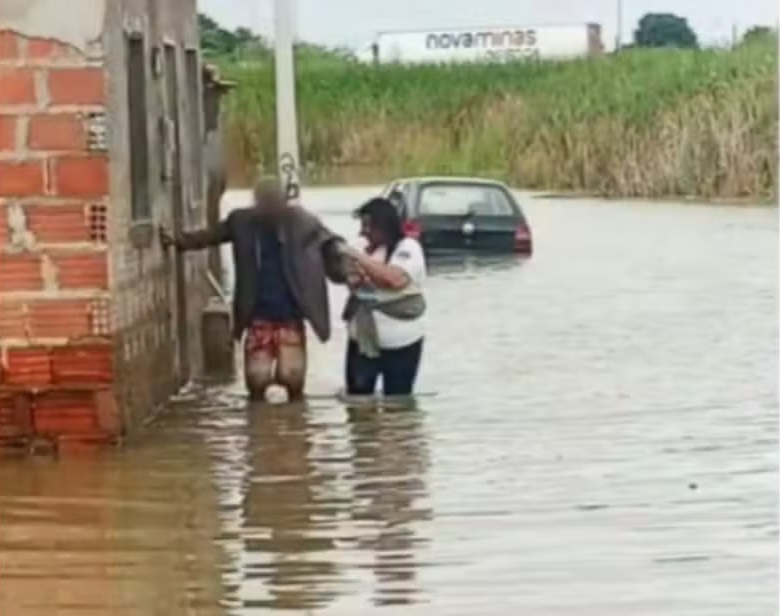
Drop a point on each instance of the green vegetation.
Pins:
(759, 34)
(645, 122)
(244, 46)
(665, 30)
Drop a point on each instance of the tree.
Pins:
(665, 30)
(758, 33)
(217, 41)
(213, 39)
(242, 44)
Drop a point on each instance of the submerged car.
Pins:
(451, 215)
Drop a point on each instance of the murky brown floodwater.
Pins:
(602, 442)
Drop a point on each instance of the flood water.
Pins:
(596, 435)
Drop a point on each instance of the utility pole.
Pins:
(618, 25)
(287, 150)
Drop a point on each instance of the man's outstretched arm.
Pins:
(202, 238)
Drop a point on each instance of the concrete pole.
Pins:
(619, 32)
(287, 151)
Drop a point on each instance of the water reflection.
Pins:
(123, 533)
(327, 496)
(390, 495)
(291, 561)
(472, 264)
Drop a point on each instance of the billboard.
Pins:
(489, 44)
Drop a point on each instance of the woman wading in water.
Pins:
(385, 312)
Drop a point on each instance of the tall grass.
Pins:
(642, 123)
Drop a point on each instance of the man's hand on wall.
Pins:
(166, 239)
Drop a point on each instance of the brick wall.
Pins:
(92, 339)
(54, 284)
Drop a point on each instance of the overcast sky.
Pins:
(354, 22)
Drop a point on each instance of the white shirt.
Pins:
(396, 333)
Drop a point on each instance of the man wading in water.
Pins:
(282, 256)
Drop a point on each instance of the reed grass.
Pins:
(643, 123)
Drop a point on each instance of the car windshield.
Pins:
(462, 199)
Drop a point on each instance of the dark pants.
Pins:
(397, 367)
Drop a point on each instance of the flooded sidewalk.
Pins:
(599, 437)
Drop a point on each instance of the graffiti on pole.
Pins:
(288, 169)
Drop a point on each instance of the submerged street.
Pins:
(596, 433)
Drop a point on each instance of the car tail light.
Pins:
(412, 229)
(522, 238)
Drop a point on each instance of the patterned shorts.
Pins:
(268, 337)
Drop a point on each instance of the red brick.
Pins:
(57, 132)
(11, 315)
(88, 270)
(49, 49)
(17, 86)
(53, 224)
(21, 179)
(77, 86)
(20, 272)
(29, 366)
(45, 318)
(85, 176)
(9, 45)
(65, 412)
(7, 133)
(15, 417)
(60, 318)
(86, 363)
(58, 224)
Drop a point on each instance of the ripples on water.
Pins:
(603, 441)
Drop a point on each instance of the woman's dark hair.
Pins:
(383, 216)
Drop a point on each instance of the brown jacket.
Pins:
(309, 254)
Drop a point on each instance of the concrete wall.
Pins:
(143, 277)
(88, 301)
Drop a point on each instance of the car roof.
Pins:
(448, 179)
